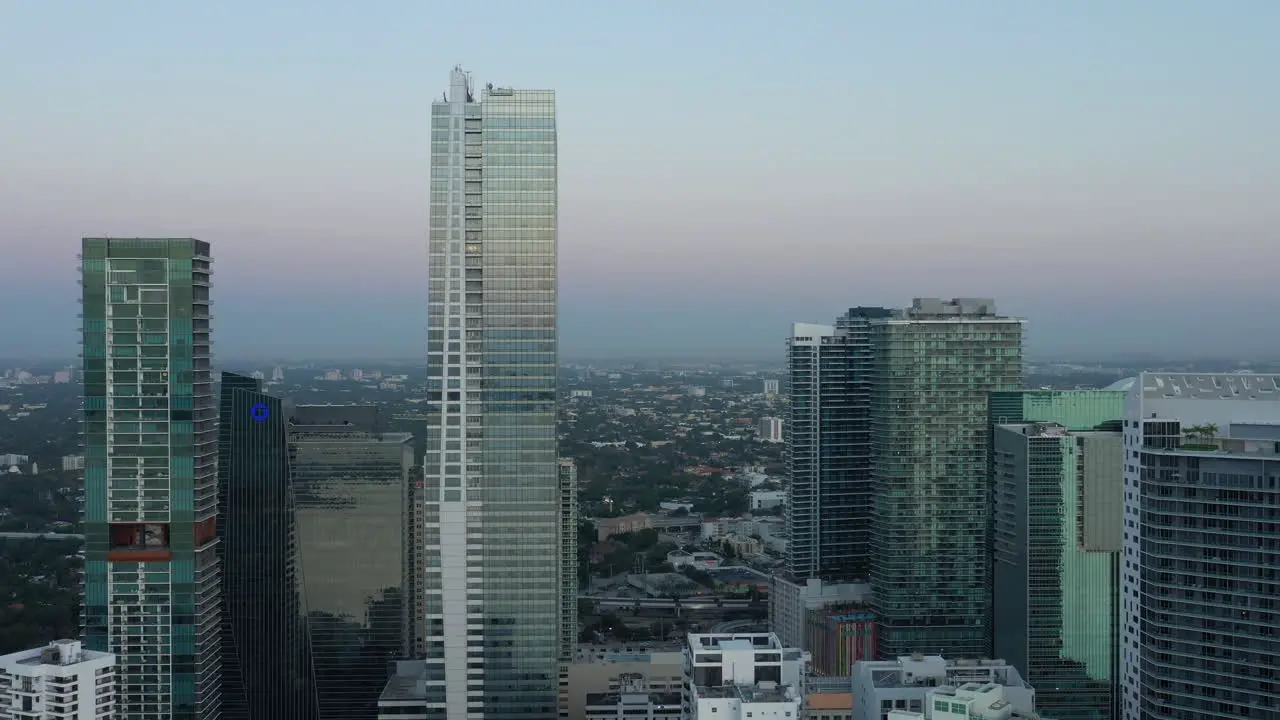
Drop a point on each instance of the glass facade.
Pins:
(1058, 507)
(1072, 409)
(349, 480)
(829, 448)
(265, 658)
(491, 494)
(933, 366)
(150, 435)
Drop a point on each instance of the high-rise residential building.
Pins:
(1200, 586)
(349, 476)
(829, 447)
(934, 364)
(491, 491)
(1058, 506)
(770, 429)
(266, 657)
(61, 681)
(151, 498)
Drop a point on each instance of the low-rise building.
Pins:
(633, 700)
(740, 676)
(833, 702)
(741, 545)
(601, 668)
(608, 527)
(790, 603)
(767, 499)
(839, 636)
(916, 683)
(697, 560)
(62, 681)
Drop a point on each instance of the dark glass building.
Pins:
(267, 673)
(349, 486)
(150, 511)
(828, 437)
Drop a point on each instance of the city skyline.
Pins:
(1097, 188)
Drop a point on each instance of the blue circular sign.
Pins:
(260, 412)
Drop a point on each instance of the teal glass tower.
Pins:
(934, 364)
(1057, 461)
(151, 498)
(491, 496)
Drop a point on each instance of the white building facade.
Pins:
(60, 682)
(770, 429)
(741, 676)
(1201, 494)
(913, 686)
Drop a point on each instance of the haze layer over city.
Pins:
(726, 168)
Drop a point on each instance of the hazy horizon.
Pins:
(1105, 170)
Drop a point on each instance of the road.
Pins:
(739, 626)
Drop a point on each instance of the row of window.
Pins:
(493, 184)
(547, 222)
(442, 134)
(497, 196)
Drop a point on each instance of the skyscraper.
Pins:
(933, 365)
(266, 658)
(312, 547)
(829, 448)
(349, 478)
(1058, 524)
(491, 494)
(150, 435)
(1200, 586)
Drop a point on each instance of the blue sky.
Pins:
(1107, 169)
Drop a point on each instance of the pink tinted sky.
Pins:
(1122, 198)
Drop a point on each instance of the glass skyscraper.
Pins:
(1058, 521)
(491, 495)
(150, 436)
(933, 366)
(828, 456)
(349, 479)
(313, 502)
(266, 661)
